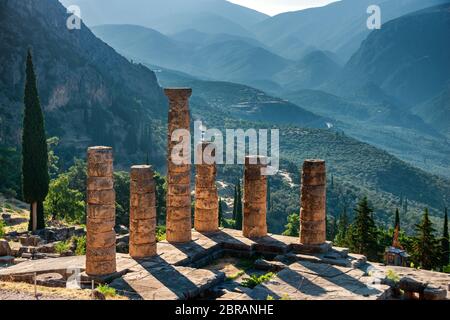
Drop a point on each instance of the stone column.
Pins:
(142, 212)
(206, 195)
(178, 202)
(101, 213)
(313, 203)
(255, 198)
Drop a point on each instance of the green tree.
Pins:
(220, 212)
(235, 202)
(53, 159)
(238, 207)
(293, 225)
(397, 220)
(65, 203)
(445, 242)
(161, 191)
(341, 238)
(425, 249)
(364, 233)
(35, 177)
(122, 188)
(10, 172)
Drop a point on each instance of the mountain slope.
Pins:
(409, 58)
(339, 27)
(90, 94)
(219, 57)
(170, 16)
(436, 111)
(310, 72)
(242, 102)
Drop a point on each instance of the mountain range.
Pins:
(93, 95)
(171, 16)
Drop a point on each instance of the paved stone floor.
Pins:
(178, 272)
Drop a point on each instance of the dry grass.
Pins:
(52, 293)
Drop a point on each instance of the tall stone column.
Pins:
(142, 212)
(255, 198)
(313, 203)
(206, 195)
(178, 202)
(101, 213)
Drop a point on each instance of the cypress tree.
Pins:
(425, 244)
(397, 220)
(239, 207)
(364, 233)
(445, 242)
(341, 236)
(35, 177)
(235, 203)
(220, 212)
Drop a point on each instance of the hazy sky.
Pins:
(273, 7)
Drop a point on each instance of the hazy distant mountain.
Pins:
(238, 61)
(339, 27)
(220, 57)
(409, 58)
(386, 125)
(310, 72)
(171, 16)
(90, 94)
(137, 42)
(196, 38)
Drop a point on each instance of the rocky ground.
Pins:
(215, 266)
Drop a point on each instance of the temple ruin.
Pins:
(101, 213)
(100, 258)
(181, 268)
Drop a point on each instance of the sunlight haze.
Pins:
(274, 7)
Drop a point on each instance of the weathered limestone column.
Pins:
(313, 203)
(101, 213)
(206, 195)
(255, 198)
(178, 202)
(142, 212)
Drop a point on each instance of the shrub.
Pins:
(236, 275)
(2, 228)
(80, 245)
(255, 280)
(229, 223)
(106, 290)
(446, 269)
(62, 247)
(160, 233)
(391, 275)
